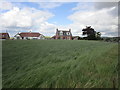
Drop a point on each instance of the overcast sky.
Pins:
(45, 17)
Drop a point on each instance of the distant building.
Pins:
(63, 34)
(29, 35)
(4, 36)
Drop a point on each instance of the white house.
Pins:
(29, 35)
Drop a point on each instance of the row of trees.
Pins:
(91, 33)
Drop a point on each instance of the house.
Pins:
(29, 35)
(4, 36)
(63, 34)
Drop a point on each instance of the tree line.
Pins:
(91, 34)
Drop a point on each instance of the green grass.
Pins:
(59, 64)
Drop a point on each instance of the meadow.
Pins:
(59, 64)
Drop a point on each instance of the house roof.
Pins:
(29, 34)
(4, 35)
(63, 31)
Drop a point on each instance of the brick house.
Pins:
(63, 34)
(4, 36)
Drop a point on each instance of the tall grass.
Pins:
(59, 64)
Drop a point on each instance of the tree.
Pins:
(90, 32)
(98, 35)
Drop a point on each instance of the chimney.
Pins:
(30, 31)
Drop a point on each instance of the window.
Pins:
(61, 33)
(68, 33)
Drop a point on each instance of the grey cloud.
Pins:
(112, 33)
(119, 9)
(101, 5)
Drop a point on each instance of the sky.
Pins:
(46, 17)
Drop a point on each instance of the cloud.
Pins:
(23, 19)
(15, 18)
(101, 20)
(101, 5)
(48, 29)
(63, 0)
(49, 5)
(83, 6)
(5, 5)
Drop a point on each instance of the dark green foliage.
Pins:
(91, 37)
(98, 35)
(91, 34)
(59, 64)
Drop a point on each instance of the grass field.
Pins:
(59, 64)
